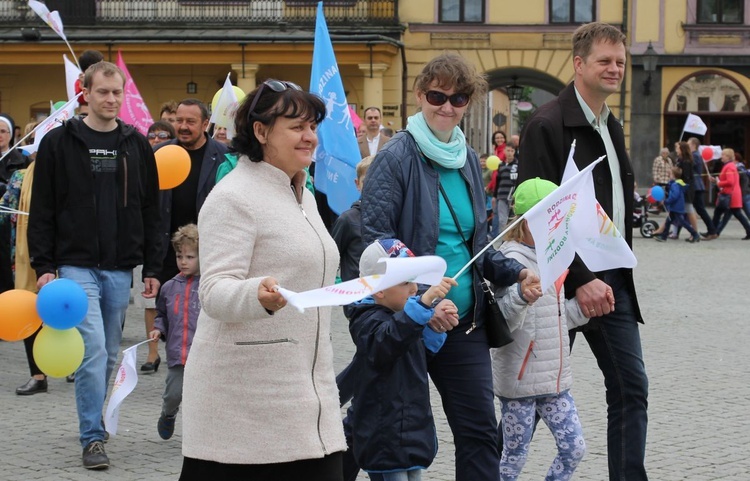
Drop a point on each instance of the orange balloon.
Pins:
(173, 165)
(18, 316)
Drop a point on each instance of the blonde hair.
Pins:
(516, 232)
(186, 236)
(729, 152)
(363, 165)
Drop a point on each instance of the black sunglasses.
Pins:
(275, 85)
(439, 98)
(161, 135)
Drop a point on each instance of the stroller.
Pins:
(640, 217)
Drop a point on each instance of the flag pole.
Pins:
(499, 236)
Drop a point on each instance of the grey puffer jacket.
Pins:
(538, 361)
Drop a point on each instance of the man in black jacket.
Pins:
(580, 113)
(95, 216)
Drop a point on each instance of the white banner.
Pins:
(226, 108)
(127, 378)
(55, 120)
(71, 76)
(695, 125)
(422, 270)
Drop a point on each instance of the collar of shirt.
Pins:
(599, 123)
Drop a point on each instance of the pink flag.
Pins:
(134, 110)
(355, 119)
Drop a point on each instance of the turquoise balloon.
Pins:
(62, 304)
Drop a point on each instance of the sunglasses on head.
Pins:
(275, 85)
(161, 135)
(439, 98)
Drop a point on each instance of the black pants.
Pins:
(327, 468)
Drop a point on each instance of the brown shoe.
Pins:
(711, 237)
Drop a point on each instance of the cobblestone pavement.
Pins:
(694, 301)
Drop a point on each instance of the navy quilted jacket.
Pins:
(400, 200)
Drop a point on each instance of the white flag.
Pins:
(551, 222)
(226, 108)
(599, 243)
(50, 18)
(695, 125)
(55, 120)
(423, 270)
(127, 378)
(71, 76)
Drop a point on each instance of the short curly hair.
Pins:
(185, 236)
(450, 70)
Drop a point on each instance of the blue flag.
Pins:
(337, 154)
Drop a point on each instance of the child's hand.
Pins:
(154, 335)
(531, 288)
(438, 292)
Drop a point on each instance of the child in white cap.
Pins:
(532, 374)
(393, 432)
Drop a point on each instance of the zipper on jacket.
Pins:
(125, 178)
(317, 330)
(560, 338)
(268, 341)
(185, 318)
(529, 352)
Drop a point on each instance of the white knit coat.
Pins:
(260, 388)
(537, 362)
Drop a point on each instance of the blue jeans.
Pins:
(462, 373)
(616, 343)
(108, 292)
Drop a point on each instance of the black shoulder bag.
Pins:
(498, 333)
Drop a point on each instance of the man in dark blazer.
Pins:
(580, 113)
(372, 139)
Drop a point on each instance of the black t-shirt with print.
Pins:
(104, 165)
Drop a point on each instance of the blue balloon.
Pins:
(657, 192)
(62, 304)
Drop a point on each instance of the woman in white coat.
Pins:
(259, 398)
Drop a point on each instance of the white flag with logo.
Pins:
(50, 18)
(72, 73)
(552, 222)
(695, 125)
(127, 378)
(599, 244)
(55, 120)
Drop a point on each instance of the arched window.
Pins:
(708, 92)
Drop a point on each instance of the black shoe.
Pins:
(70, 378)
(94, 456)
(151, 367)
(165, 426)
(659, 238)
(693, 240)
(32, 387)
(747, 237)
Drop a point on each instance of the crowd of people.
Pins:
(208, 257)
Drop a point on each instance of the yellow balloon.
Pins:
(493, 162)
(238, 92)
(173, 166)
(18, 316)
(58, 353)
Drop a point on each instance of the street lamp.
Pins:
(650, 59)
(514, 95)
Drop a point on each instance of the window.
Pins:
(571, 11)
(468, 11)
(720, 11)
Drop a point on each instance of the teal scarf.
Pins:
(451, 154)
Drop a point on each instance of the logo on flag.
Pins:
(337, 155)
(125, 381)
(695, 125)
(55, 120)
(134, 110)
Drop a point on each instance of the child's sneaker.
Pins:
(165, 426)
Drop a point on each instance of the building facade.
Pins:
(699, 60)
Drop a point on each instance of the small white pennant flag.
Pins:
(50, 18)
(422, 270)
(127, 378)
(552, 222)
(72, 72)
(55, 120)
(695, 125)
(226, 108)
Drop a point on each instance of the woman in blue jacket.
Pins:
(417, 182)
